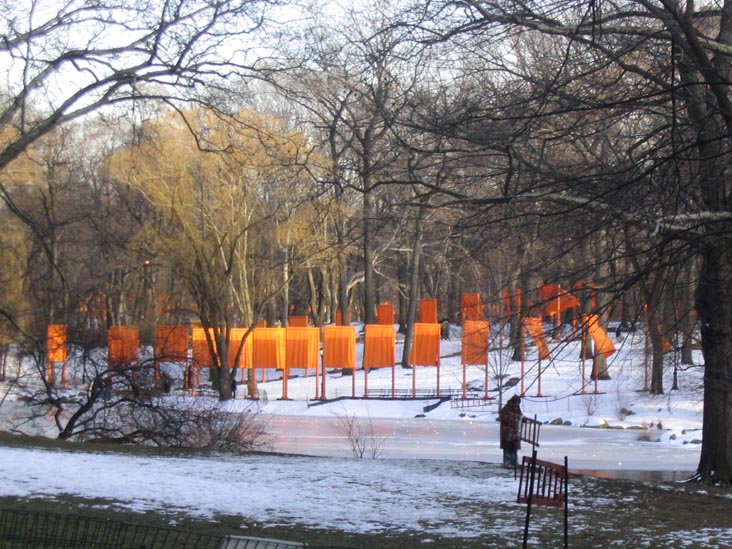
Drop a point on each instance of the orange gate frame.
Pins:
(123, 345)
(56, 351)
(428, 310)
(302, 350)
(425, 351)
(385, 313)
(472, 308)
(339, 351)
(268, 349)
(171, 345)
(535, 327)
(378, 352)
(475, 349)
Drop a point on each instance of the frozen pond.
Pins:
(602, 451)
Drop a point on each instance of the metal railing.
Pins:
(24, 529)
(31, 529)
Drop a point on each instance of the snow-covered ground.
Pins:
(409, 492)
(320, 493)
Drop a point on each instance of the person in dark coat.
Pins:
(233, 387)
(510, 417)
(445, 329)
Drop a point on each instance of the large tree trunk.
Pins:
(343, 305)
(285, 303)
(221, 379)
(414, 284)
(686, 320)
(402, 305)
(714, 303)
(515, 332)
(454, 300)
(602, 299)
(369, 285)
(656, 336)
(317, 299)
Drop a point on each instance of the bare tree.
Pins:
(120, 405)
(625, 115)
(361, 436)
(65, 61)
(229, 219)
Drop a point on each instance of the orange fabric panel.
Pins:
(131, 345)
(378, 346)
(506, 297)
(534, 327)
(164, 305)
(556, 300)
(548, 291)
(298, 321)
(339, 347)
(472, 307)
(123, 343)
(171, 343)
(56, 342)
(475, 342)
(268, 348)
(339, 319)
(302, 347)
(666, 346)
(201, 352)
(114, 348)
(426, 345)
(593, 296)
(603, 344)
(235, 337)
(385, 313)
(428, 310)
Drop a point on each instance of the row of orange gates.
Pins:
(284, 349)
(298, 346)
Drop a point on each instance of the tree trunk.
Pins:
(714, 303)
(686, 313)
(414, 284)
(317, 301)
(515, 335)
(343, 304)
(602, 299)
(240, 286)
(369, 285)
(687, 341)
(515, 286)
(654, 332)
(285, 310)
(222, 381)
(584, 292)
(454, 300)
(402, 295)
